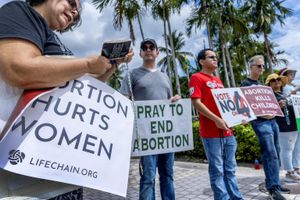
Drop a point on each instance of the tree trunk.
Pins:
(222, 42)
(246, 65)
(173, 53)
(140, 26)
(224, 64)
(209, 39)
(268, 52)
(167, 54)
(230, 66)
(131, 30)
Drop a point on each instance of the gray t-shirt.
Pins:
(146, 85)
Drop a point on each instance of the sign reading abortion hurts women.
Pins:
(79, 133)
(162, 127)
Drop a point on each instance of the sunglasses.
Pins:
(145, 48)
(73, 4)
(274, 80)
(212, 57)
(260, 66)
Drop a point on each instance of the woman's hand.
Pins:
(126, 59)
(282, 103)
(98, 65)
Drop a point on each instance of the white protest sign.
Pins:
(296, 106)
(80, 133)
(163, 127)
(233, 106)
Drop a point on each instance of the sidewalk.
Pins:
(192, 183)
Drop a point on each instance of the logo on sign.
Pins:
(16, 156)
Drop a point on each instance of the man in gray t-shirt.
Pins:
(148, 83)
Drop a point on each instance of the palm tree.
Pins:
(116, 78)
(263, 14)
(203, 13)
(181, 56)
(123, 9)
(161, 9)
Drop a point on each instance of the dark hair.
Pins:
(76, 22)
(202, 54)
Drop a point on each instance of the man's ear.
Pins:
(200, 62)
(157, 52)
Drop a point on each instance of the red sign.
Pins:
(262, 100)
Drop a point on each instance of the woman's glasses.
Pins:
(274, 80)
(260, 66)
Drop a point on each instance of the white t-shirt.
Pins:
(8, 98)
(287, 89)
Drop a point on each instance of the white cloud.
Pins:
(287, 39)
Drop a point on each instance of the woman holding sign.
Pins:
(32, 55)
(289, 138)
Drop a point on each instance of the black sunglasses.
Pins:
(260, 66)
(274, 80)
(145, 48)
(73, 4)
(212, 57)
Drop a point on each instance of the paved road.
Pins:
(192, 183)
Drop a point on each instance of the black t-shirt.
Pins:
(288, 113)
(19, 20)
(249, 82)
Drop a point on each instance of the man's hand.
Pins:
(175, 98)
(220, 123)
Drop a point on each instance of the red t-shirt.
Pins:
(199, 86)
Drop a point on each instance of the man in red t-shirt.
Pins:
(218, 140)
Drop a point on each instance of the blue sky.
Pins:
(96, 28)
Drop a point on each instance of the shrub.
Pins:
(247, 149)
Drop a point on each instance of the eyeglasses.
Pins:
(145, 48)
(274, 80)
(212, 57)
(74, 5)
(260, 66)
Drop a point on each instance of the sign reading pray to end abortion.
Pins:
(162, 127)
(79, 133)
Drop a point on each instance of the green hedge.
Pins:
(247, 150)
